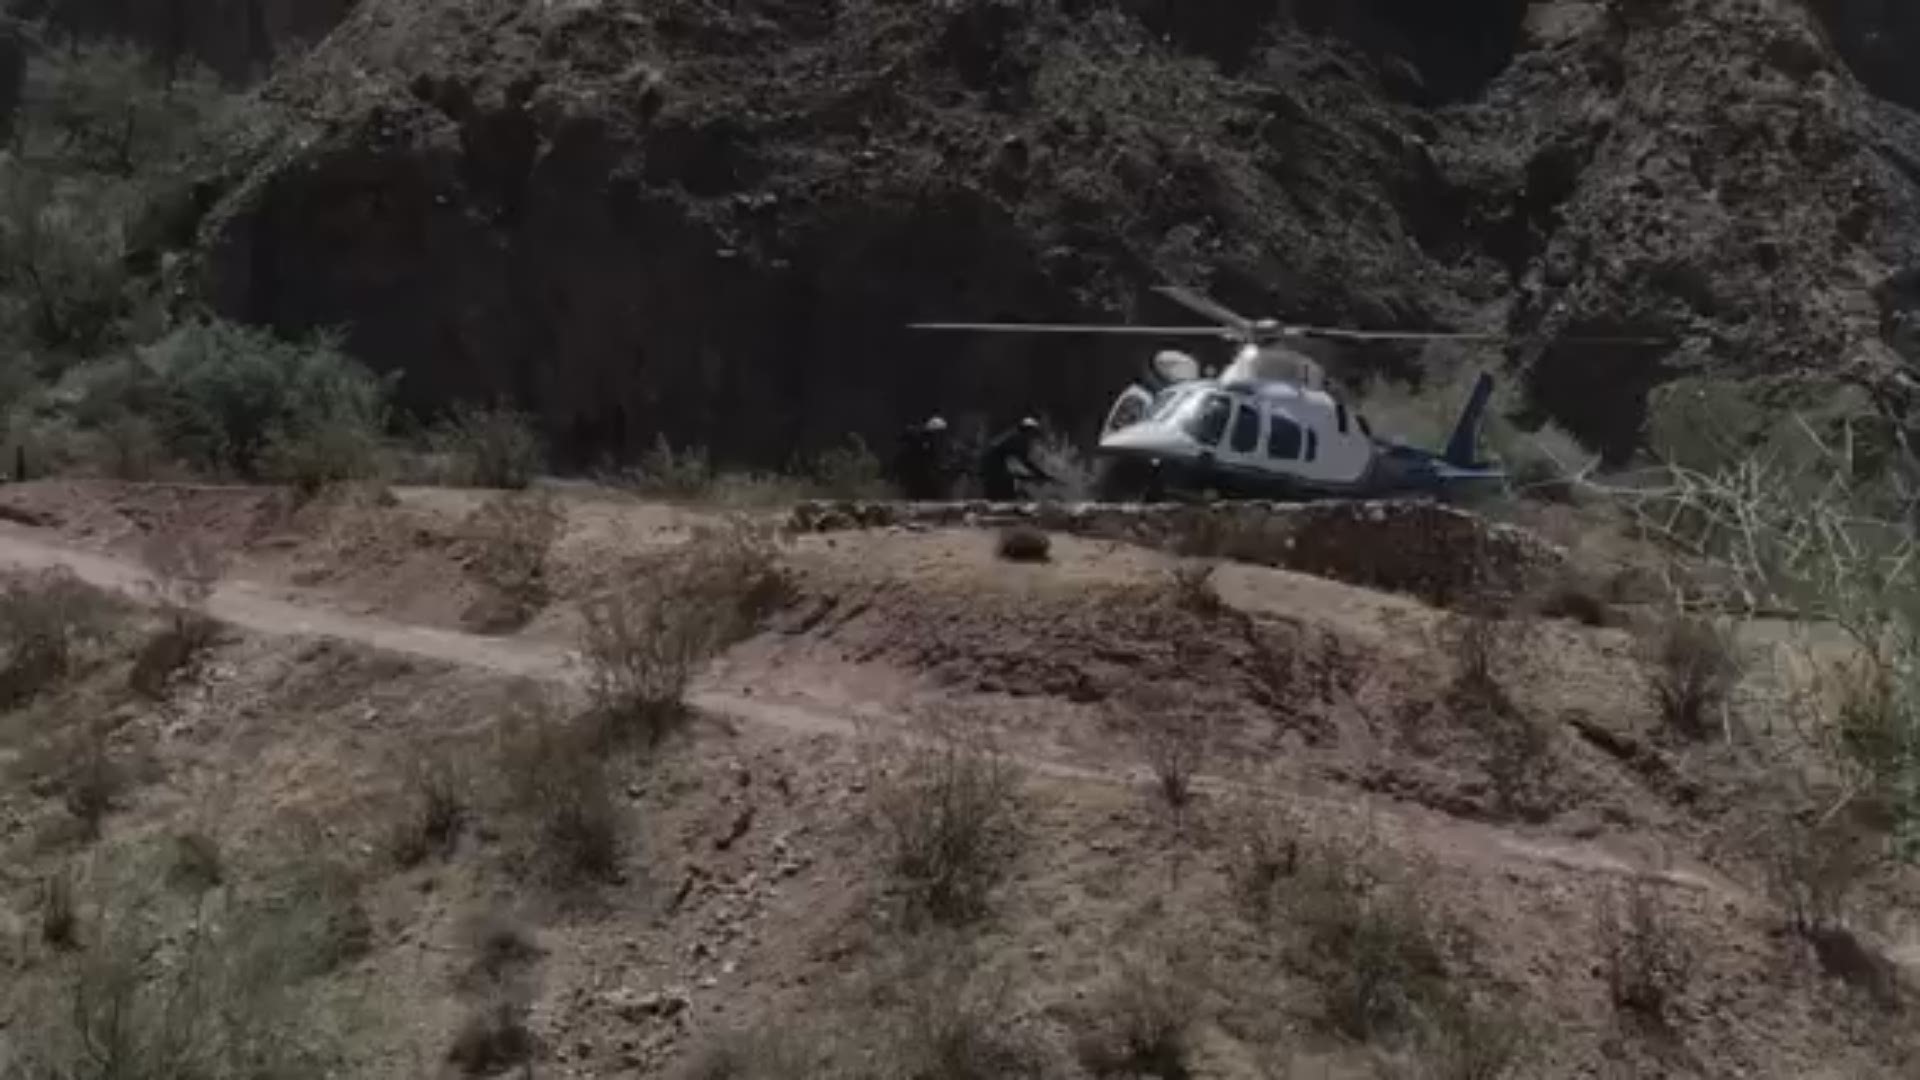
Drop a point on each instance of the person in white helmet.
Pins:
(921, 465)
(1017, 445)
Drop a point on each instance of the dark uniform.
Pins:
(920, 463)
(997, 481)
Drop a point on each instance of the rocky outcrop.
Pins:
(1439, 553)
(714, 225)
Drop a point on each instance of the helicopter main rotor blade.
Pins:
(1072, 328)
(1202, 305)
(1328, 334)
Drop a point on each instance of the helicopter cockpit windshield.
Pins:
(1204, 417)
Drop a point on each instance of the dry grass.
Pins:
(437, 806)
(1648, 964)
(554, 777)
(1692, 666)
(93, 779)
(1024, 543)
(509, 541)
(183, 570)
(759, 1053)
(490, 447)
(161, 985)
(47, 619)
(1265, 847)
(950, 819)
(1143, 1022)
(949, 1018)
(645, 640)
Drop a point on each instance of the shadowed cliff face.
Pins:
(13, 72)
(714, 225)
(238, 39)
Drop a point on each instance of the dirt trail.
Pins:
(795, 706)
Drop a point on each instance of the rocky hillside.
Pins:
(712, 221)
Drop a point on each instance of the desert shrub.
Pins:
(1173, 741)
(684, 473)
(234, 399)
(1023, 543)
(197, 864)
(645, 639)
(435, 808)
(511, 539)
(1648, 963)
(555, 780)
(950, 820)
(1479, 642)
(46, 619)
(1190, 584)
(1143, 1023)
(1265, 848)
(847, 472)
(93, 778)
(170, 986)
(951, 1019)
(495, 1033)
(183, 569)
(1461, 1039)
(62, 243)
(1375, 957)
(491, 447)
(1692, 666)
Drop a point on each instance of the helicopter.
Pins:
(1269, 425)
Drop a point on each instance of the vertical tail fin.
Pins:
(1466, 432)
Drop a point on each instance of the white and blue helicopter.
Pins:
(1268, 426)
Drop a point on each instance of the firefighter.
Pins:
(997, 480)
(920, 466)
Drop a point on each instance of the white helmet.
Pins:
(1028, 423)
(936, 424)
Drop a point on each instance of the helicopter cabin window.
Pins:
(1365, 428)
(1283, 438)
(1208, 423)
(1340, 415)
(1313, 444)
(1246, 430)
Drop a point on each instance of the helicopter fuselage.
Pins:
(1244, 435)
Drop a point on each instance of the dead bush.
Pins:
(950, 817)
(436, 806)
(499, 947)
(1265, 850)
(1024, 543)
(1479, 641)
(1173, 741)
(183, 567)
(644, 642)
(1692, 666)
(1461, 1039)
(951, 1019)
(1190, 584)
(94, 778)
(510, 541)
(45, 620)
(1816, 860)
(1648, 963)
(555, 779)
(1144, 1023)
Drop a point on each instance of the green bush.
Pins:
(492, 447)
(229, 399)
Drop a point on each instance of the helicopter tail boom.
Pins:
(1466, 432)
